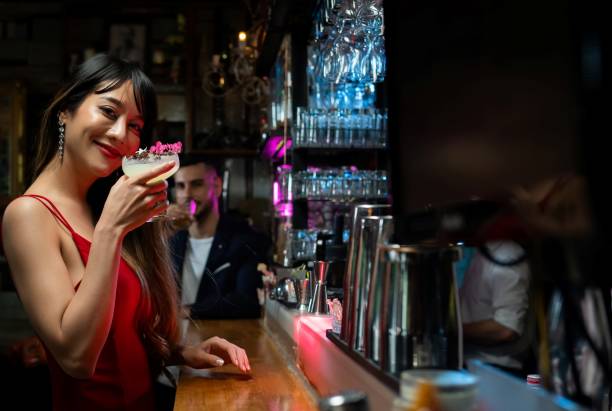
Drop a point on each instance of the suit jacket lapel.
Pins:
(219, 245)
(217, 251)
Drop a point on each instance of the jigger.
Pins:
(305, 293)
(318, 302)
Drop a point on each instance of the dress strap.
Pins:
(53, 209)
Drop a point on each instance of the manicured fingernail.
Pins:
(219, 362)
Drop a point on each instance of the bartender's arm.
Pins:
(508, 296)
(488, 332)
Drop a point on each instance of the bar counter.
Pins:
(274, 383)
(285, 339)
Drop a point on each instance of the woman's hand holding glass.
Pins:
(132, 201)
(215, 352)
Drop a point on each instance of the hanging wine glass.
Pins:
(370, 16)
(344, 54)
(329, 60)
(378, 61)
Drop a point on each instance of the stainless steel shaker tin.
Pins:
(420, 321)
(374, 231)
(359, 211)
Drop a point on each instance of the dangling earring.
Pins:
(60, 146)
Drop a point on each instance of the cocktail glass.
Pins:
(143, 161)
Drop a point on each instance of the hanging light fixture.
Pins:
(236, 73)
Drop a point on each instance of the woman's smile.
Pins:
(108, 150)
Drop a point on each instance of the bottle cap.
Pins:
(533, 379)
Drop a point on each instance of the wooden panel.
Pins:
(272, 384)
(12, 130)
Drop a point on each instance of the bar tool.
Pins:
(318, 302)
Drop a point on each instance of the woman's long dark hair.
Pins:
(146, 248)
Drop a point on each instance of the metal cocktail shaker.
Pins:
(318, 302)
(420, 321)
(358, 212)
(370, 236)
(377, 231)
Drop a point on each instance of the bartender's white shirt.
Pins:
(492, 291)
(196, 257)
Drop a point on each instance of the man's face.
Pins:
(199, 183)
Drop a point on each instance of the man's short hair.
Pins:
(189, 159)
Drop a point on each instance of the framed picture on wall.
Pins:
(128, 41)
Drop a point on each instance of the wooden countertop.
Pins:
(274, 382)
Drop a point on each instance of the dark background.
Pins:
(485, 97)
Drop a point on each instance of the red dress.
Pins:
(122, 380)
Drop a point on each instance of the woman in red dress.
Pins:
(93, 276)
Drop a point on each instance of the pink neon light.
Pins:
(275, 194)
(274, 148)
(284, 209)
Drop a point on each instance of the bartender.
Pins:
(215, 254)
(494, 306)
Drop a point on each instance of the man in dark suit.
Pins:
(215, 254)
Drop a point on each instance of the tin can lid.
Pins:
(349, 400)
(443, 380)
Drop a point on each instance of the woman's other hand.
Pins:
(215, 352)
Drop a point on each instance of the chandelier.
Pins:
(234, 71)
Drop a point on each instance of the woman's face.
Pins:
(102, 130)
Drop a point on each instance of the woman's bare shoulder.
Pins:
(25, 213)
(24, 206)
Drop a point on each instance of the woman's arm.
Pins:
(74, 325)
(488, 332)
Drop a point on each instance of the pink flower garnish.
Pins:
(159, 148)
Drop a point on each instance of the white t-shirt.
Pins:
(196, 257)
(496, 292)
